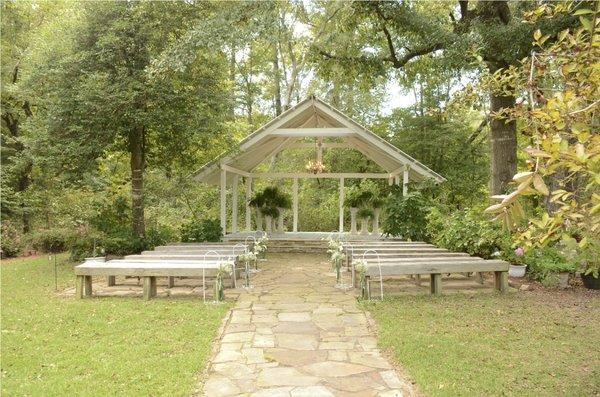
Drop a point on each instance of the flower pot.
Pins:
(590, 282)
(376, 213)
(353, 212)
(364, 226)
(259, 222)
(280, 220)
(268, 224)
(516, 271)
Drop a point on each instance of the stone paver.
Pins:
(295, 334)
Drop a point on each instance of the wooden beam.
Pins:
(320, 132)
(341, 225)
(326, 145)
(295, 205)
(234, 170)
(248, 209)
(234, 204)
(278, 148)
(223, 200)
(325, 175)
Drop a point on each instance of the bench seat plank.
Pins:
(403, 268)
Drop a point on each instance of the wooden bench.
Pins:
(435, 267)
(148, 270)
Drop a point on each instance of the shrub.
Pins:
(10, 240)
(466, 231)
(365, 213)
(87, 245)
(544, 263)
(406, 216)
(51, 241)
(119, 244)
(201, 230)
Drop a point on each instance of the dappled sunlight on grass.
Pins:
(53, 345)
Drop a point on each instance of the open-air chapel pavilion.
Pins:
(312, 123)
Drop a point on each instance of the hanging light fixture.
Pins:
(316, 166)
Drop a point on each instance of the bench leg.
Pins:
(501, 281)
(417, 280)
(479, 277)
(111, 281)
(436, 284)
(87, 285)
(149, 287)
(170, 281)
(79, 287)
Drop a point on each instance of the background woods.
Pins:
(107, 108)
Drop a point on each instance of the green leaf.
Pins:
(583, 11)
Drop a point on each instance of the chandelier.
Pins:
(316, 166)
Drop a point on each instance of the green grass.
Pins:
(57, 346)
(526, 344)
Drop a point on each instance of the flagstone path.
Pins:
(294, 334)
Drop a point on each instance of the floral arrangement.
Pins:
(360, 266)
(337, 257)
(247, 258)
(260, 247)
(225, 268)
(316, 167)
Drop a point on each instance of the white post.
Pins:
(223, 199)
(295, 204)
(234, 204)
(405, 182)
(248, 197)
(341, 228)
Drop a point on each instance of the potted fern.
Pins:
(353, 201)
(270, 213)
(257, 202)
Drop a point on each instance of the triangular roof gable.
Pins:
(312, 112)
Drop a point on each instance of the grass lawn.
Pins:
(539, 343)
(56, 346)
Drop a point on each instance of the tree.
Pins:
(561, 83)
(106, 97)
(18, 23)
(376, 36)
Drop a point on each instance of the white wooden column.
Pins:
(405, 182)
(234, 204)
(223, 201)
(248, 209)
(295, 204)
(341, 228)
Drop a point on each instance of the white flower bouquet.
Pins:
(225, 268)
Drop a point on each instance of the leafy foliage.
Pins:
(562, 83)
(51, 241)
(10, 242)
(201, 230)
(406, 216)
(467, 231)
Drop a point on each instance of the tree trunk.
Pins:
(136, 148)
(276, 80)
(503, 145)
(24, 182)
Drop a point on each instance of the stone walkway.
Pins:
(294, 334)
